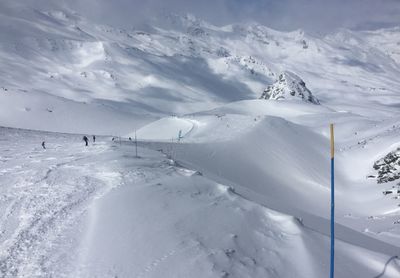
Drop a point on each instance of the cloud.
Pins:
(131, 12)
(319, 15)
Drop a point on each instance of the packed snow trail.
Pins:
(43, 195)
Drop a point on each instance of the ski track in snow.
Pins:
(46, 193)
(42, 193)
(159, 260)
(46, 196)
(64, 72)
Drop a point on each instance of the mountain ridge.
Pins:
(158, 72)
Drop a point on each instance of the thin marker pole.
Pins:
(332, 266)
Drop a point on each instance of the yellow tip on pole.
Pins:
(332, 142)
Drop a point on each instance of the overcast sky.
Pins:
(321, 15)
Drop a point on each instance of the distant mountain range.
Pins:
(58, 68)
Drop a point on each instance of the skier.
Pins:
(130, 139)
(86, 140)
(44, 145)
(94, 138)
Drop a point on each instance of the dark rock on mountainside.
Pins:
(289, 86)
(388, 167)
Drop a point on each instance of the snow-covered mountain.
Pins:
(58, 67)
(225, 184)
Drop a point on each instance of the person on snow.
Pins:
(86, 140)
(94, 138)
(44, 145)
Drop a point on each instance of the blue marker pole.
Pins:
(332, 203)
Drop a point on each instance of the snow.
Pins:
(75, 211)
(42, 111)
(225, 184)
(233, 152)
(166, 129)
(56, 56)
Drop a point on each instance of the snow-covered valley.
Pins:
(232, 127)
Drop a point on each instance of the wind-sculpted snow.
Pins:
(76, 211)
(241, 185)
(285, 166)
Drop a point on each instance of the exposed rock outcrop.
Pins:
(289, 86)
(388, 167)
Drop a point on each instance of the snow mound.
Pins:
(257, 107)
(171, 128)
(289, 86)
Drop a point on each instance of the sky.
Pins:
(316, 15)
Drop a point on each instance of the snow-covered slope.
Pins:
(280, 157)
(177, 65)
(244, 189)
(97, 211)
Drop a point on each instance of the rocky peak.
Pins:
(289, 86)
